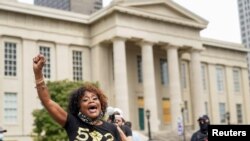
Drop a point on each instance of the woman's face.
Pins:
(90, 105)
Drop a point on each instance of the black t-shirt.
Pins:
(199, 136)
(126, 130)
(78, 130)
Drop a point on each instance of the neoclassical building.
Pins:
(144, 54)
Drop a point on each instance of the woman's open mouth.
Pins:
(92, 109)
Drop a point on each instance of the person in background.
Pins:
(135, 135)
(202, 133)
(1, 133)
(86, 108)
(117, 119)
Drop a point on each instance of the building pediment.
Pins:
(166, 9)
(163, 10)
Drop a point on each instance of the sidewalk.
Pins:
(143, 137)
(164, 136)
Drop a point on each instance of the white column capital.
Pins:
(118, 38)
(97, 45)
(145, 43)
(190, 50)
(198, 50)
(166, 46)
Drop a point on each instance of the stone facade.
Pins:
(124, 47)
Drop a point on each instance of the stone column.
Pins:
(149, 85)
(246, 97)
(120, 74)
(174, 85)
(197, 95)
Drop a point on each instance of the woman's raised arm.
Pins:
(55, 110)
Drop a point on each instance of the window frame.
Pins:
(220, 79)
(239, 115)
(18, 57)
(4, 107)
(222, 112)
(52, 57)
(164, 71)
(184, 74)
(204, 76)
(236, 80)
(139, 69)
(82, 62)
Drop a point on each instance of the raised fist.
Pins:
(38, 63)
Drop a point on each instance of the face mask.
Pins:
(88, 120)
(204, 127)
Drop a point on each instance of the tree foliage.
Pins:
(45, 127)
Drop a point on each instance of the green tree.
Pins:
(45, 127)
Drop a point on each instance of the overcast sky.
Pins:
(222, 16)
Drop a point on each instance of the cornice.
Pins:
(224, 44)
(43, 12)
(85, 19)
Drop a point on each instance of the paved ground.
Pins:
(165, 136)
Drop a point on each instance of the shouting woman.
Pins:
(87, 106)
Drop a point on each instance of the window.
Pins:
(10, 108)
(164, 71)
(186, 111)
(206, 108)
(203, 75)
(236, 80)
(45, 51)
(77, 65)
(139, 69)
(97, 7)
(10, 59)
(98, 3)
(184, 75)
(239, 113)
(220, 78)
(222, 112)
